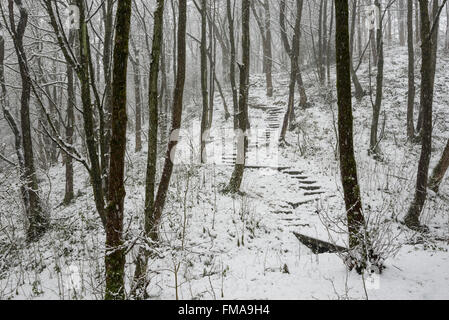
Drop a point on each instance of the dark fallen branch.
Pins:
(319, 246)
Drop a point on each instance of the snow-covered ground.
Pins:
(220, 247)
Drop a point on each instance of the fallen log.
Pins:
(319, 246)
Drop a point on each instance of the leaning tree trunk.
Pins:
(115, 250)
(37, 219)
(159, 203)
(440, 170)
(348, 165)
(242, 139)
(14, 128)
(427, 91)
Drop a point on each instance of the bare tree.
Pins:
(348, 167)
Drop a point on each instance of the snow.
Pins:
(243, 247)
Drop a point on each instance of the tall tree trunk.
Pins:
(204, 92)
(140, 282)
(137, 95)
(15, 130)
(359, 93)
(269, 50)
(427, 91)
(411, 73)
(402, 23)
(374, 140)
(294, 69)
(115, 251)
(285, 42)
(88, 115)
(71, 102)
(37, 219)
(348, 165)
(164, 184)
(242, 139)
(230, 14)
(108, 10)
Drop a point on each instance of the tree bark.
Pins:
(71, 102)
(242, 139)
(115, 251)
(348, 165)
(230, 15)
(427, 91)
(411, 73)
(164, 184)
(204, 92)
(294, 69)
(440, 170)
(38, 220)
(374, 140)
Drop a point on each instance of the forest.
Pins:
(224, 149)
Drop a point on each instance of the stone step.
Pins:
(314, 193)
(310, 188)
(307, 182)
(300, 177)
(293, 172)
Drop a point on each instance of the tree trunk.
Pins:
(204, 92)
(348, 165)
(115, 251)
(374, 140)
(294, 69)
(15, 130)
(37, 219)
(411, 72)
(359, 93)
(242, 139)
(140, 282)
(427, 90)
(230, 15)
(71, 102)
(440, 170)
(137, 95)
(285, 42)
(401, 23)
(159, 203)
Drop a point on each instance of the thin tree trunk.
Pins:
(411, 73)
(137, 96)
(374, 140)
(359, 93)
(294, 69)
(159, 203)
(242, 139)
(140, 282)
(230, 15)
(204, 87)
